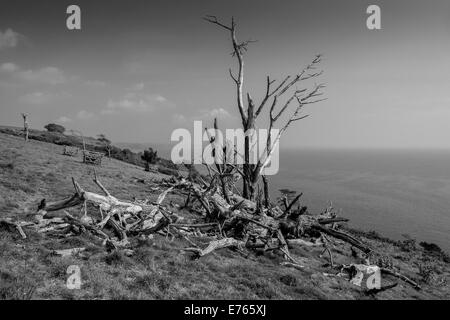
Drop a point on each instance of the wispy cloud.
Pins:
(9, 39)
(202, 115)
(85, 115)
(46, 75)
(178, 118)
(42, 97)
(63, 119)
(137, 100)
(9, 67)
(137, 87)
(216, 113)
(95, 83)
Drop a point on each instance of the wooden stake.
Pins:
(25, 125)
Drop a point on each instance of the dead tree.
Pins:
(279, 95)
(25, 126)
(108, 150)
(73, 132)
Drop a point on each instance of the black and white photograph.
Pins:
(224, 157)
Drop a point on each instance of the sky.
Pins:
(137, 70)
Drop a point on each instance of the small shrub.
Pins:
(15, 288)
(431, 247)
(168, 171)
(288, 280)
(8, 166)
(117, 258)
(102, 138)
(408, 245)
(150, 156)
(53, 127)
(430, 275)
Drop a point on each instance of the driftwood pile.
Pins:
(238, 223)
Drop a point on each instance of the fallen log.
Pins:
(293, 265)
(332, 220)
(343, 236)
(215, 245)
(68, 252)
(106, 203)
(53, 228)
(13, 225)
(305, 243)
(400, 276)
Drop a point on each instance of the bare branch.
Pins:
(238, 48)
(213, 20)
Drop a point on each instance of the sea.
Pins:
(397, 193)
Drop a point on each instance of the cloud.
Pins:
(63, 119)
(137, 87)
(179, 118)
(9, 67)
(42, 97)
(216, 113)
(137, 100)
(95, 83)
(47, 75)
(129, 104)
(9, 39)
(84, 115)
(203, 115)
(37, 98)
(81, 115)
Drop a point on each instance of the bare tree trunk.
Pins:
(266, 192)
(25, 126)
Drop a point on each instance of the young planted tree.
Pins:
(283, 98)
(25, 126)
(150, 156)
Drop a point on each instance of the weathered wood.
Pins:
(402, 277)
(13, 226)
(53, 228)
(72, 220)
(25, 126)
(332, 220)
(293, 265)
(343, 236)
(106, 203)
(68, 252)
(215, 245)
(305, 243)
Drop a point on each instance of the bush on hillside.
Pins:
(150, 156)
(53, 127)
(102, 138)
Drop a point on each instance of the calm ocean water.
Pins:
(392, 192)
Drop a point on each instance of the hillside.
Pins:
(115, 151)
(158, 268)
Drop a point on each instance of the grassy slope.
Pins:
(18, 131)
(158, 270)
